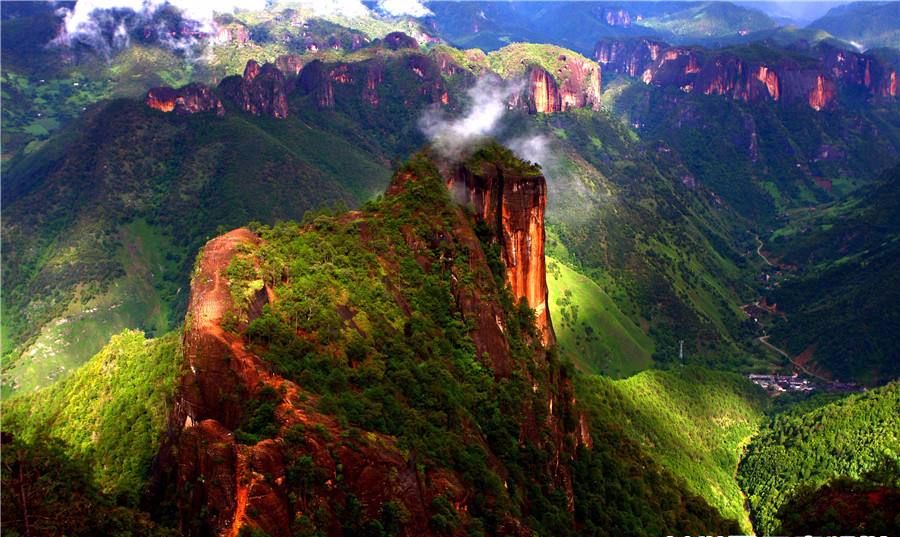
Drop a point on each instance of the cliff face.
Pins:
(312, 466)
(225, 485)
(813, 80)
(190, 99)
(512, 205)
(414, 76)
(576, 84)
(262, 90)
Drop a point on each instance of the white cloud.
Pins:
(86, 21)
(399, 8)
(488, 103)
(342, 8)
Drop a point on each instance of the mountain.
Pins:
(710, 19)
(755, 72)
(300, 348)
(748, 146)
(578, 25)
(868, 25)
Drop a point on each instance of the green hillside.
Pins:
(852, 249)
(670, 255)
(694, 422)
(699, 20)
(591, 330)
(855, 437)
(111, 413)
(868, 24)
(110, 245)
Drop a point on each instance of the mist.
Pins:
(486, 116)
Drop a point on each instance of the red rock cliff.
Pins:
(262, 90)
(224, 486)
(812, 80)
(512, 204)
(575, 84)
(190, 99)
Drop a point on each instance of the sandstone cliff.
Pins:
(813, 77)
(512, 203)
(190, 99)
(262, 90)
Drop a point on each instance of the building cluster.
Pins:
(781, 383)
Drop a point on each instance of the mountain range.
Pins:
(482, 269)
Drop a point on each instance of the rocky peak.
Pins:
(190, 99)
(399, 40)
(223, 484)
(511, 200)
(262, 90)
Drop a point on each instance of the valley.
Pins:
(447, 269)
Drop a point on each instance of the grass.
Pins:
(591, 329)
(129, 302)
(693, 421)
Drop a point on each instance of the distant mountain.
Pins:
(866, 24)
(491, 25)
(792, 13)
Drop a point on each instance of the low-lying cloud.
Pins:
(108, 25)
(488, 103)
(399, 8)
(484, 117)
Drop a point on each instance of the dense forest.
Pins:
(800, 450)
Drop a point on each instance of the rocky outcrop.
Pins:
(190, 99)
(312, 465)
(262, 90)
(576, 84)
(812, 78)
(289, 64)
(411, 77)
(224, 486)
(617, 17)
(399, 40)
(512, 204)
(541, 92)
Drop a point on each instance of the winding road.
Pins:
(765, 341)
(760, 254)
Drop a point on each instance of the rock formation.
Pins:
(813, 80)
(312, 465)
(512, 203)
(576, 84)
(190, 99)
(414, 76)
(399, 40)
(262, 90)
